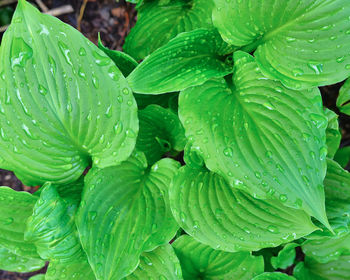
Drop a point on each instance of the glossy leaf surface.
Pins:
(333, 135)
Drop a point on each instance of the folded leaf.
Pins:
(285, 257)
(343, 101)
(124, 212)
(273, 276)
(15, 208)
(161, 264)
(11, 262)
(189, 59)
(199, 261)
(260, 136)
(63, 102)
(160, 132)
(301, 43)
(160, 21)
(333, 135)
(226, 218)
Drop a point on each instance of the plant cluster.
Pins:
(201, 152)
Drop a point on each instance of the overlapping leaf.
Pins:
(189, 59)
(333, 135)
(159, 21)
(302, 43)
(124, 212)
(199, 261)
(260, 136)
(229, 219)
(63, 102)
(343, 101)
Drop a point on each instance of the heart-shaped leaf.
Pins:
(229, 219)
(161, 264)
(199, 261)
(159, 21)
(273, 276)
(301, 43)
(124, 212)
(343, 101)
(260, 136)
(63, 102)
(333, 135)
(189, 59)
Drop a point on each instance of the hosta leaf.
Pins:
(124, 62)
(189, 59)
(313, 270)
(260, 136)
(285, 257)
(333, 135)
(344, 98)
(11, 262)
(15, 208)
(124, 212)
(161, 264)
(343, 156)
(63, 102)
(78, 268)
(199, 261)
(301, 43)
(273, 276)
(207, 208)
(160, 132)
(160, 21)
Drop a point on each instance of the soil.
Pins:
(113, 19)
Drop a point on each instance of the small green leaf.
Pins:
(199, 261)
(15, 208)
(189, 59)
(161, 264)
(333, 135)
(344, 98)
(160, 132)
(11, 262)
(260, 136)
(301, 43)
(343, 156)
(285, 257)
(160, 21)
(229, 219)
(124, 212)
(63, 102)
(273, 276)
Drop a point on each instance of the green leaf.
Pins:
(199, 261)
(344, 98)
(333, 135)
(124, 212)
(63, 102)
(15, 208)
(260, 136)
(38, 277)
(285, 257)
(273, 276)
(123, 61)
(160, 132)
(77, 269)
(161, 264)
(189, 59)
(160, 21)
(334, 270)
(343, 156)
(11, 262)
(229, 219)
(301, 43)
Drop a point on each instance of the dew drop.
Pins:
(66, 52)
(228, 152)
(283, 198)
(21, 52)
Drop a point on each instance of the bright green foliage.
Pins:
(199, 261)
(38, 277)
(161, 20)
(76, 108)
(273, 276)
(301, 43)
(285, 257)
(344, 98)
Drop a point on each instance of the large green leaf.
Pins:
(11, 262)
(160, 132)
(124, 212)
(229, 219)
(199, 261)
(313, 270)
(63, 102)
(333, 135)
(260, 136)
(273, 276)
(285, 257)
(15, 208)
(302, 43)
(189, 59)
(161, 264)
(159, 21)
(343, 101)
(77, 269)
